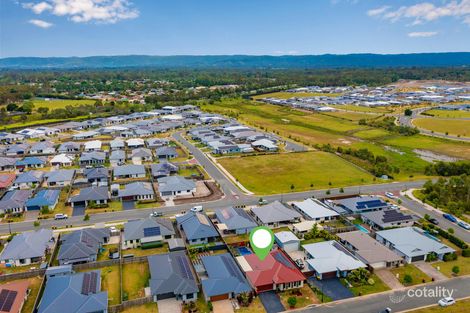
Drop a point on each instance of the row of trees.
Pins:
(452, 193)
(388, 123)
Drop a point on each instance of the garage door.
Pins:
(219, 297)
(329, 275)
(264, 288)
(417, 258)
(165, 296)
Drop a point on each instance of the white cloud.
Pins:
(421, 34)
(426, 12)
(82, 11)
(378, 11)
(40, 23)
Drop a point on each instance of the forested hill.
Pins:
(450, 59)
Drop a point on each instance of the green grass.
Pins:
(461, 306)
(449, 114)
(144, 308)
(374, 133)
(412, 270)
(313, 240)
(142, 252)
(446, 267)
(453, 127)
(357, 108)
(59, 104)
(270, 174)
(34, 285)
(135, 277)
(306, 298)
(110, 277)
(352, 116)
(366, 289)
(255, 307)
(287, 95)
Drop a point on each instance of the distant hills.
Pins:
(243, 61)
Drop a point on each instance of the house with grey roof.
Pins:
(74, 293)
(97, 176)
(172, 276)
(359, 204)
(412, 243)
(224, 278)
(18, 149)
(140, 155)
(275, 214)
(197, 227)
(136, 191)
(129, 171)
(82, 246)
(154, 143)
(28, 247)
(234, 221)
(31, 162)
(7, 164)
(92, 158)
(45, 198)
(315, 210)
(148, 232)
(166, 153)
(59, 178)
(90, 195)
(117, 144)
(163, 169)
(117, 157)
(42, 147)
(30, 179)
(14, 201)
(171, 186)
(383, 219)
(69, 147)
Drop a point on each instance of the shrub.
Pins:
(450, 257)
(407, 279)
(456, 270)
(36, 224)
(209, 306)
(292, 301)
(466, 253)
(86, 217)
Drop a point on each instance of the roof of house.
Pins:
(62, 158)
(412, 241)
(224, 276)
(91, 194)
(367, 248)
(235, 218)
(196, 225)
(69, 145)
(97, 172)
(117, 155)
(17, 288)
(135, 229)
(385, 217)
(141, 153)
(27, 245)
(60, 175)
(314, 209)
(130, 169)
(15, 199)
(171, 272)
(275, 212)
(6, 180)
(286, 237)
(29, 177)
(44, 198)
(175, 183)
(31, 160)
(136, 189)
(78, 293)
(163, 151)
(362, 203)
(330, 256)
(163, 168)
(82, 243)
(42, 145)
(7, 161)
(275, 268)
(264, 143)
(60, 269)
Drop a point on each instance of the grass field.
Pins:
(449, 114)
(373, 133)
(269, 174)
(366, 289)
(352, 116)
(287, 95)
(350, 107)
(135, 277)
(412, 270)
(461, 306)
(59, 104)
(453, 127)
(446, 267)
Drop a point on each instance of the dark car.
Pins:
(450, 217)
(434, 221)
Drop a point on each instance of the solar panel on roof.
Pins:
(184, 266)
(3, 296)
(9, 300)
(282, 259)
(152, 231)
(93, 282)
(86, 283)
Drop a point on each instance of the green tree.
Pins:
(407, 279)
(456, 270)
(408, 112)
(292, 301)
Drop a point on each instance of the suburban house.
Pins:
(172, 276)
(302, 228)
(265, 145)
(42, 147)
(136, 191)
(329, 259)
(163, 169)
(412, 244)
(140, 155)
(224, 278)
(7, 164)
(360, 204)
(14, 201)
(275, 272)
(18, 149)
(6, 180)
(154, 143)
(45, 198)
(97, 176)
(275, 214)
(234, 221)
(14, 294)
(166, 153)
(31, 162)
(62, 160)
(59, 178)
(28, 180)
(287, 241)
(315, 210)
(171, 186)
(117, 157)
(135, 143)
(117, 144)
(369, 251)
(197, 228)
(94, 145)
(82, 246)
(28, 247)
(87, 196)
(69, 147)
(147, 232)
(61, 270)
(92, 158)
(129, 171)
(380, 220)
(78, 292)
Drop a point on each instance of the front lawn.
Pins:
(461, 306)
(147, 308)
(446, 267)
(135, 278)
(305, 296)
(366, 289)
(416, 275)
(255, 307)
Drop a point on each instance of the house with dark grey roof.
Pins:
(42, 147)
(31, 162)
(140, 155)
(154, 143)
(117, 157)
(59, 178)
(224, 278)
(43, 199)
(75, 293)
(275, 214)
(136, 191)
(172, 186)
(129, 171)
(14, 201)
(360, 204)
(7, 164)
(234, 220)
(197, 227)
(90, 195)
(166, 153)
(172, 276)
(69, 147)
(28, 247)
(82, 246)
(92, 158)
(18, 149)
(163, 169)
(383, 219)
(97, 176)
(147, 232)
(28, 180)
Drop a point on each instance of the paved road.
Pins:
(376, 303)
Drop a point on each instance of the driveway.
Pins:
(389, 279)
(331, 287)
(128, 205)
(271, 302)
(169, 306)
(222, 306)
(429, 270)
(78, 210)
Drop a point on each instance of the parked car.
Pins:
(434, 221)
(446, 301)
(390, 195)
(464, 225)
(300, 263)
(197, 208)
(450, 217)
(156, 214)
(61, 216)
(262, 202)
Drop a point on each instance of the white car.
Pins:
(390, 195)
(197, 208)
(61, 216)
(446, 301)
(464, 225)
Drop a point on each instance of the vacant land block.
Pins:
(449, 114)
(287, 95)
(440, 125)
(59, 104)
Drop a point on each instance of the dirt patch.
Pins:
(214, 194)
(434, 157)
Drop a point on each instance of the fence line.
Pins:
(130, 303)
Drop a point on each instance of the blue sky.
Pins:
(170, 27)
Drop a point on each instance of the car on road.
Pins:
(450, 217)
(61, 216)
(386, 310)
(464, 225)
(390, 195)
(262, 202)
(446, 301)
(156, 214)
(197, 208)
(434, 221)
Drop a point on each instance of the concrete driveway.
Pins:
(128, 205)
(389, 279)
(169, 306)
(78, 210)
(271, 302)
(429, 270)
(222, 306)
(332, 287)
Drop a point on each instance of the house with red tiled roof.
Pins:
(6, 180)
(275, 272)
(13, 296)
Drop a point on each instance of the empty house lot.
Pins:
(278, 173)
(442, 125)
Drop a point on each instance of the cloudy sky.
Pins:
(169, 27)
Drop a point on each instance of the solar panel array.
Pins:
(184, 267)
(7, 298)
(369, 204)
(395, 216)
(90, 281)
(152, 231)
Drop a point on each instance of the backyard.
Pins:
(135, 277)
